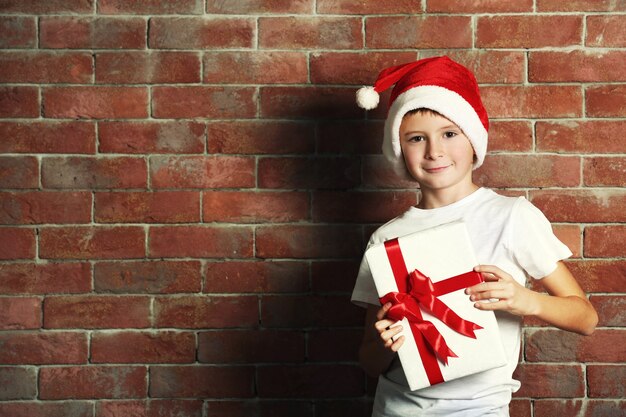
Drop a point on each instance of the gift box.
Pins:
(424, 275)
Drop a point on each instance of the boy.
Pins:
(436, 129)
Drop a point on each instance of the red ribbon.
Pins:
(415, 290)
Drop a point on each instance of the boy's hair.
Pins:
(422, 110)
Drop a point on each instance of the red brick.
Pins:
(531, 31)
(200, 242)
(48, 137)
(529, 171)
(606, 31)
(33, 278)
(571, 236)
(353, 67)
(47, 7)
(18, 383)
(378, 173)
(334, 345)
(96, 312)
(255, 67)
(297, 311)
(202, 172)
(512, 136)
(47, 409)
(580, 6)
(605, 101)
(360, 207)
(544, 381)
(248, 408)
(606, 381)
(19, 172)
(308, 103)
(19, 101)
(423, 32)
(147, 277)
(205, 102)
(251, 346)
(92, 242)
(303, 32)
(583, 206)
(200, 33)
(523, 102)
(520, 408)
(17, 243)
(599, 275)
(254, 207)
(576, 66)
(311, 241)
(38, 207)
(334, 276)
(362, 137)
(45, 67)
(151, 137)
(605, 241)
(20, 313)
(94, 382)
(150, 7)
(309, 381)
(143, 347)
(95, 102)
(480, 6)
(259, 6)
(490, 66)
(149, 408)
(92, 32)
(611, 309)
(147, 67)
(93, 172)
(261, 137)
(44, 348)
(551, 408)
(573, 136)
(147, 207)
(551, 345)
(604, 171)
(201, 381)
(201, 312)
(256, 277)
(18, 31)
(326, 172)
(365, 7)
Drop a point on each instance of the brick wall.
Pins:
(186, 188)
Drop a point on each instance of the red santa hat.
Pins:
(438, 84)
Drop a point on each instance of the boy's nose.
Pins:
(433, 149)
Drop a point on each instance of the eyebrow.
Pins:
(452, 126)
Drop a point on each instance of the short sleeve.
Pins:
(364, 292)
(533, 243)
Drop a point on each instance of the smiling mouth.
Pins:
(435, 170)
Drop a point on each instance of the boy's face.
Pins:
(436, 152)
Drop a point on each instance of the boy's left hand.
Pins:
(499, 285)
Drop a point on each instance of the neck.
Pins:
(432, 199)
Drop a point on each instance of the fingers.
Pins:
(496, 305)
(492, 272)
(383, 311)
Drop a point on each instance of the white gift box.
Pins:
(440, 253)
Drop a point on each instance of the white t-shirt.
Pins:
(507, 232)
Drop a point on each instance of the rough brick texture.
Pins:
(187, 187)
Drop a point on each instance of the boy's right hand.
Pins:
(386, 332)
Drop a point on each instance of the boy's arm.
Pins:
(565, 306)
(377, 348)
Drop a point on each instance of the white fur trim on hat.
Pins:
(367, 98)
(443, 101)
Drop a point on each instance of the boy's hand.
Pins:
(387, 333)
(508, 294)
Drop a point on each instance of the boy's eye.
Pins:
(450, 134)
(416, 138)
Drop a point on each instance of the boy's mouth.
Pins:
(434, 170)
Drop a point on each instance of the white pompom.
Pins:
(367, 98)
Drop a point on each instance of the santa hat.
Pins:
(438, 84)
